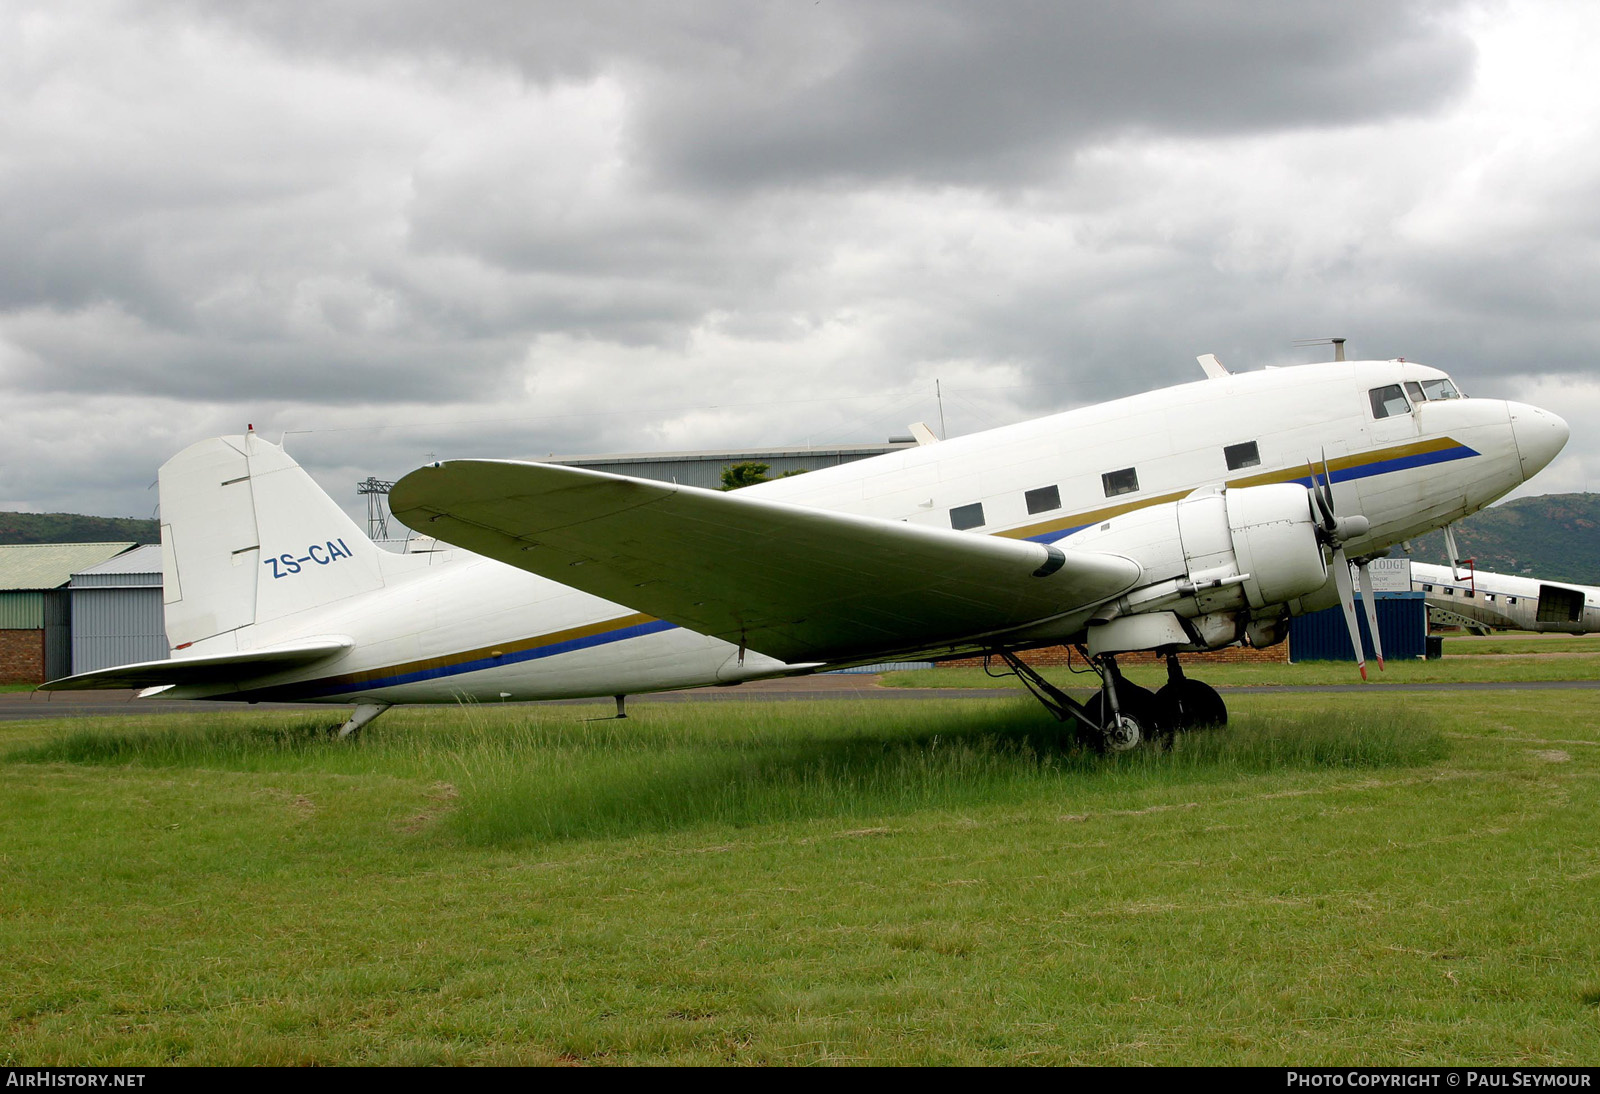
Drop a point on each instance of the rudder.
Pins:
(247, 537)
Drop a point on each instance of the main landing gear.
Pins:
(1122, 714)
(1188, 704)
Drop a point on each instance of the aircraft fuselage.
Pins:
(451, 625)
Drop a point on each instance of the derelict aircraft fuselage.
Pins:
(1186, 518)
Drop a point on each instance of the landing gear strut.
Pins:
(1117, 719)
(1127, 713)
(1184, 704)
(1122, 715)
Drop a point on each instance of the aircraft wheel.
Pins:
(1189, 704)
(1136, 723)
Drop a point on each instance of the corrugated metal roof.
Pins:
(50, 565)
(145, 559)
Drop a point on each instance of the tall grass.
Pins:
(890, 881)
(1450, 670)
(527, 775)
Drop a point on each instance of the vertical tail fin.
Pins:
(247, 537)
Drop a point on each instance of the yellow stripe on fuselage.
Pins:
(502, 649)
(1267, 478)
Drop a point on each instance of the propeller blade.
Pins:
(1347, 601)
(1324, 505)
(1370, 602)
(1327, 483)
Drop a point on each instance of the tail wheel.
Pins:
(1189, 704)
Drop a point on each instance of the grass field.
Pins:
(1333, 879)
(1519, 659)
(1519, 643)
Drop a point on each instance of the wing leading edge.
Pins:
(792, 582)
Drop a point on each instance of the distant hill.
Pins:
(1556, 536)
(72, 528)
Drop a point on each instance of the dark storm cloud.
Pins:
(204, 217)
(105, 352)
(736, 94)
(983, 96)
(639, 226)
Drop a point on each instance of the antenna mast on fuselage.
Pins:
(1336, 343)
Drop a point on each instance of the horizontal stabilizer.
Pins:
(218, 668)
(789, 581)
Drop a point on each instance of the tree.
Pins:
(748, 473)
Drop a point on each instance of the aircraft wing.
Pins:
(212, 668)
(788, 581)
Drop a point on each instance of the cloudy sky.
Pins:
(394, 230)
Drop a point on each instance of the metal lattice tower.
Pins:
(376, 491)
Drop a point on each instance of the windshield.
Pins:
(1439, 389)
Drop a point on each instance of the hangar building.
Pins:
(35, 613)
(116, 611)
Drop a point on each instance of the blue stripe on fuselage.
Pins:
(436, 672)
(1348, 474)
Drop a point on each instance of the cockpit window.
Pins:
(1426, 391)
(1388, 401)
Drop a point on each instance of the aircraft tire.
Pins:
(1190, 704)
(1137, 705)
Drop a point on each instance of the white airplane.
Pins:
(1188, 518)
(1506, 601)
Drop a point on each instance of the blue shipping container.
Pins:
(1402, 624)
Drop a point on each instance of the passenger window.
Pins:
(1043, 499)
(1242, 455)
(963, 517)
(1388, 402)
(1427, 588)
(1125, 481)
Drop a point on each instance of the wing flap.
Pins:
(792, 582)
(216, 668)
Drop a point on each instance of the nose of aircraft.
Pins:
(1540, 435)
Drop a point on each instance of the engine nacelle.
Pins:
(1237, 553)
(1274, 540)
